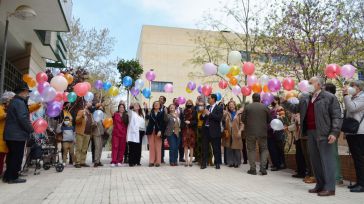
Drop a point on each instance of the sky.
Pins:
(125, 18)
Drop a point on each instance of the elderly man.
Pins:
(320, 117)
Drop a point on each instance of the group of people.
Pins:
(197, 133)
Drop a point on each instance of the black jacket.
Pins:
(155, 122)
(214, 118)
(17, 125)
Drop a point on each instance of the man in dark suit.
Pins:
(256, 118)
(163, 109)
(212, 117)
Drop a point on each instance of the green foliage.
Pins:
(130, 68)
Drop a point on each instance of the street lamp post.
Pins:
(22, 12)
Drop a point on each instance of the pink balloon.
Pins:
(168, 88)
(303, 86)
(150, 75)
(40, 125)
(42, 86)
(80, 89)
(332, 71)
(88, 86)
(206, 90)
(41, 77)
(64, 95)
(181, 100)
(288, 84)
(348, 71)
(274, 85)
(252, 79)
(209, 69)
(223, 84)
(246, 91)
(59, 96)
(236, 90)
(248, 68)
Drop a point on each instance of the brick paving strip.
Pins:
(165, 185)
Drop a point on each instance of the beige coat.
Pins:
(234, 141)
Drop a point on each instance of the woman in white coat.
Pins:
(135, 133)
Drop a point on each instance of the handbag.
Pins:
(351, 125)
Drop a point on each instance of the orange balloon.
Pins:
(69, 78)
(107, 122)
(290, 95)
(27, 78)
(233, 81)
(32, 83)
(256, 88)
(229, 75)
(266, 89)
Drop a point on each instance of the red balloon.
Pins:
(41, 77)
(223, 84)
(332, 71)
(248, 68)
(65, 99)
(246, 91)
(39, 125)
(206, 90)
(59, 96)
(88, 85)
(288, 84)
(80, 89)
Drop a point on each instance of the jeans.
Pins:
(173, 148)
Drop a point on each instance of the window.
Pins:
(360, 75)
(158, 86)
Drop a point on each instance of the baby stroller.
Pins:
(43, 151)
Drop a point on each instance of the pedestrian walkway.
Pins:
(165, 185)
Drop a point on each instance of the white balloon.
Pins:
(293, 100)
(276, 124)
(263, 80)
(98, 115)
(139, 84)
(234, 58)
(55, 71)
(59, 83)
(89, 97)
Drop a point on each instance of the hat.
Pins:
(22, 87)
(7, 96)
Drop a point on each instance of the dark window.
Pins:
(360, 75)
(158, 86)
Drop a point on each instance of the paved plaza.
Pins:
(165, 185)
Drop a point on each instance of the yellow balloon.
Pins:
(113, 91)
(188, 90)
(234, 70)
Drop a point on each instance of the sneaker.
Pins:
(19, 180)
(77, 166)
(252, 172)
(112, 165)
(119, 165)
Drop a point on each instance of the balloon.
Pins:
(98, 115)
(55, 72)
(236, 90)
(252, 79)
(147, 92)
(234, 57)
(71, 97)
(181, 100)
(229, 75)
(266, 89)
(88, 85)
(234, 70)
(81, 89)
(26, 78)
(348, 71)
(69, 78)
(89, 97)
(127, 81)
(40, 125)
(134, 91)
(303, 86)
(274, 85)
(256, 88)
(32, 83)
(199, 89)
(218, 96)
(139, 84)
(293, 100)
(245, 91)
(54, 109)
(59, 83)
(248, 68)
(168, 88)
(49, 93)
(61, 74)
(107, 122)
(191, 85)
(288, 84)
(42, 86)
(290, 95)
(41, 77)
(206, 90)
(267, 97)
(59, 96)
(113, 91)
(106, 85)
(98, 84)
(188, 90)
(35, 96)
(276, 125)
(223, 84)
(150, 75)
(233, 81)
(223, 69)
(64, 96)
(332, 71)
(263, 80)
(209, 69)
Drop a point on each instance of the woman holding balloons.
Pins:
(118, 140)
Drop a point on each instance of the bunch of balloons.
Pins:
(191, 86)
(333, 71)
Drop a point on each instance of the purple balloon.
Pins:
(54, 108)
(209, 69)
(42, 86)
(274, 85)
(199, 89)
(150, 75)
(134, 91)
(267, 97)
(98, 84)
(266, 103)
(181, 100)
(49, 93)
(191, 85)
(348, 71)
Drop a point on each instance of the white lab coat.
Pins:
(136, 123)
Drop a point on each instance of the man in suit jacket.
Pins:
(212, 117)
(256, 118)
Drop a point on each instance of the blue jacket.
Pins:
(17, 126)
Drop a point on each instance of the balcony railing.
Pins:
(12, 76)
